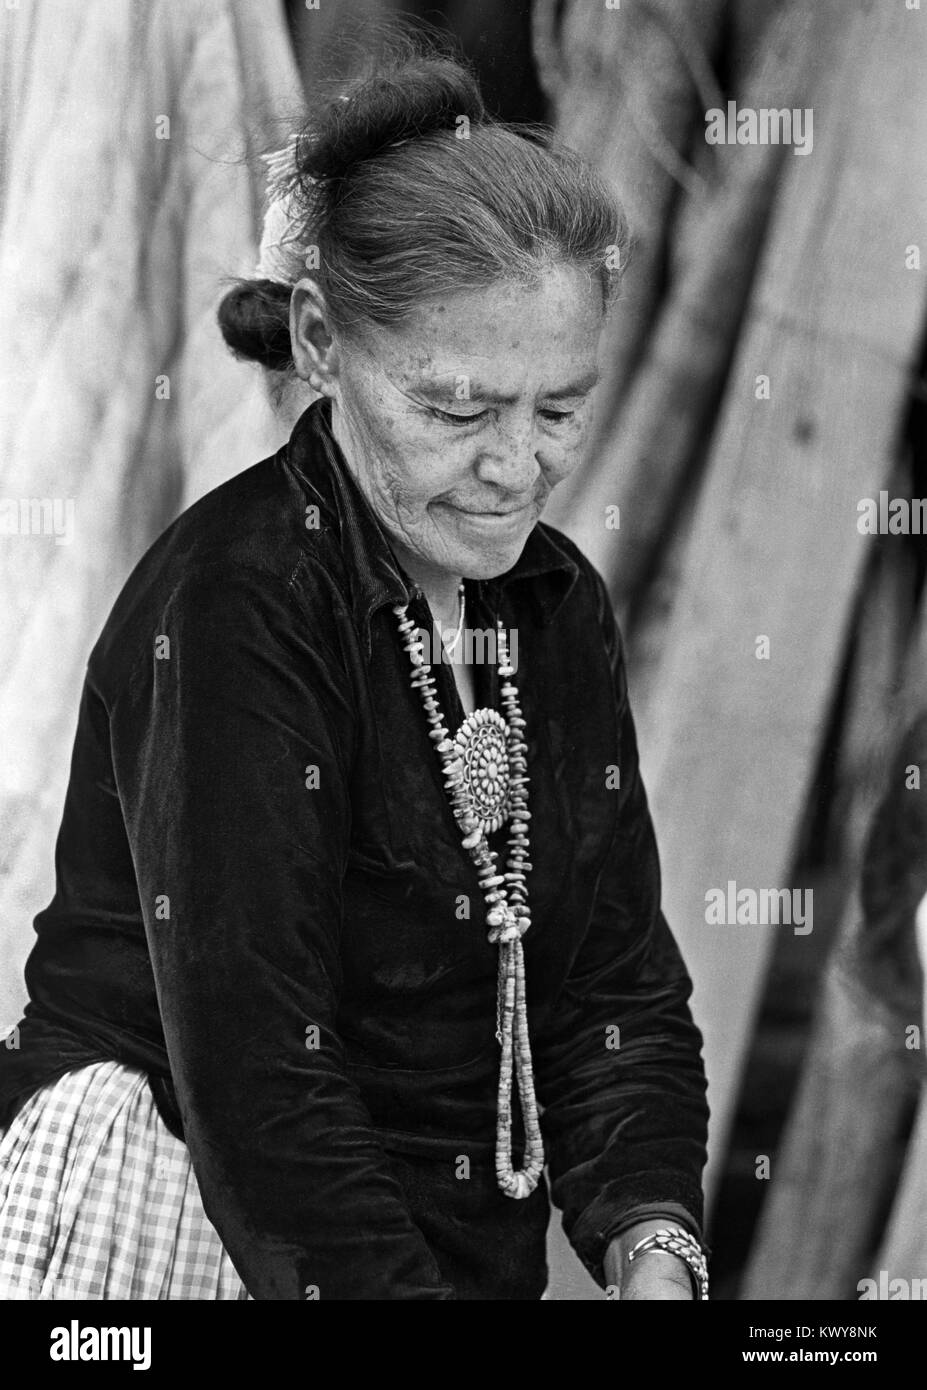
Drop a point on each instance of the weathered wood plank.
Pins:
(835, 1173)
(625, 96)
(730, 741)
(114, 246)
(656, 411)
(903, 1252)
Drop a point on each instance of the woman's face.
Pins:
(457, 425)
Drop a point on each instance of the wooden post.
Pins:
(729, 741)
(837, 1165)
(903, 1251)
(122, 212)
(662, 389)
(835, 1172)
(628, 85)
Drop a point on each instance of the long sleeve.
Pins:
(618, 1063)
(232, 747)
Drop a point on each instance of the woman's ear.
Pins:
(315, 354)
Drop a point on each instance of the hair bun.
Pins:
(254, 318)
(397, 102)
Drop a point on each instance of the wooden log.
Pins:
(331, 40)
(729, 742)
(875, 700)
(831, 1175)
(116, 233)
(903, 1251)
(913, 698)
(621, 82)
(836, 1171)
(654, 425)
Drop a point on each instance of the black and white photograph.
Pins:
(463, 663)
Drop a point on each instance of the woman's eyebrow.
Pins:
(436, 389)
(577, 388)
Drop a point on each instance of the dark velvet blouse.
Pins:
(262, 902)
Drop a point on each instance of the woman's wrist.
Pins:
(659, 1274)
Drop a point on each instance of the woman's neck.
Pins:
(440, 588)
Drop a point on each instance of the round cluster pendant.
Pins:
(482, 751)
(486, 780)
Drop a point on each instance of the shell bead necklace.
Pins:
(451, 647)
(486, 779)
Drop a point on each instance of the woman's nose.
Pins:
(511, 461)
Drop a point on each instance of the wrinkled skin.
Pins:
(477, 405)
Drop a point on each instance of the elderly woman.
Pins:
(357, 922)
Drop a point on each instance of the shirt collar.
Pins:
(376, 577)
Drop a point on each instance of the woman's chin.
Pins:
(487, 555)
(488, 562)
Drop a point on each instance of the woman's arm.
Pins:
(625, 1112)
(232, 759)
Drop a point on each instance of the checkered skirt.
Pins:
(98, 1200)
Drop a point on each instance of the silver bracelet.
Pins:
(678, 1242)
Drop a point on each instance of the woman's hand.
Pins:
(656, 1275)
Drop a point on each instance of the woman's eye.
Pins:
(552, 416)
(457, 419)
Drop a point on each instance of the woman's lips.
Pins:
(494, 520)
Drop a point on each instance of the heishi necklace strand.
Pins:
(451, 647)
(486, 780)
